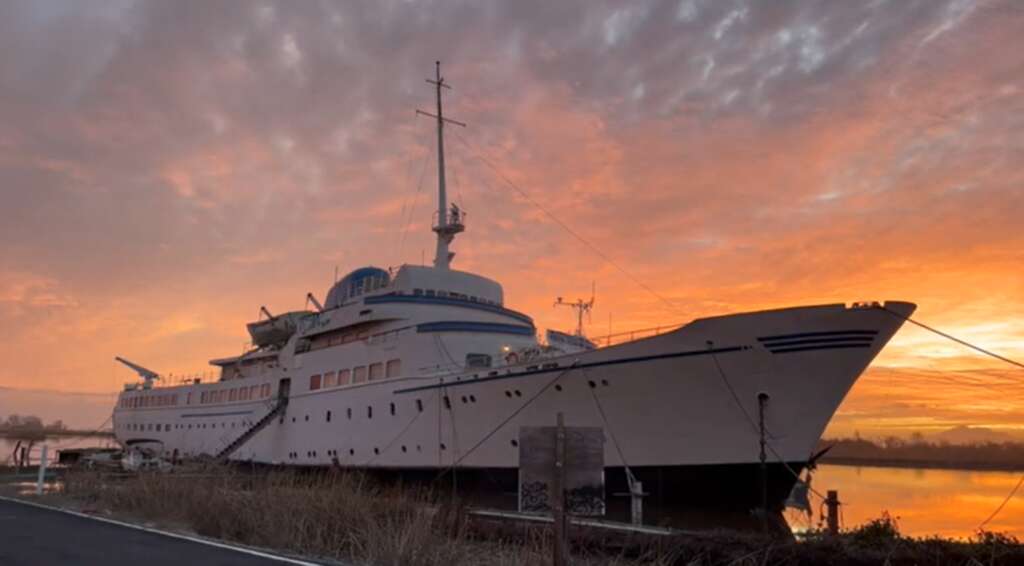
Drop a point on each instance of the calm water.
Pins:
(950, 503)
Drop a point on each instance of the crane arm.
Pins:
(143, 372)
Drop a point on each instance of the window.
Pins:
(329, 380)
(394, 368)
(254, 392)
(417, 291)
(376, 371)
(359, 374)
(202, 397)
(431, 293)
(478, 360)
(188, 398)
(343, 376)
(233, 395)
(314, 382)
(265, 390)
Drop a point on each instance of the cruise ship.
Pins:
(425, 370)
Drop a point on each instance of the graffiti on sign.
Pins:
(583, 463)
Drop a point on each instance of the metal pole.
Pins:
(559, 495)
(42, 472)
(762, 399)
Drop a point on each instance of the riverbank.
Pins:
(921, 464)
(344, 517)
(899, 453)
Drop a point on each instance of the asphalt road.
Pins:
(34, 536)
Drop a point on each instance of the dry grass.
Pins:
(348, 518)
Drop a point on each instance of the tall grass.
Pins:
(348, 517)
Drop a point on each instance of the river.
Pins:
(949, 503)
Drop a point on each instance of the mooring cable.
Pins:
(507, 420)
(987, 352)
(754, 425)
(630, 478)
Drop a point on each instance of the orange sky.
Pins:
(167, 168)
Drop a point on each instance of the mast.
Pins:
(448, 222)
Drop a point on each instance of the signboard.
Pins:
(584, 469)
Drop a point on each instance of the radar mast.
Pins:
(447, 223)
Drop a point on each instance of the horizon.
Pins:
(169, 168)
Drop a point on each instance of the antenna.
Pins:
(581, 307)
(448, 223)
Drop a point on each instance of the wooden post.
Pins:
(42, 472)
(558, 506)
(832, 508)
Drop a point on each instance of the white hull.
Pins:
(665, 401)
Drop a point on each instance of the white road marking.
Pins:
(207, 542)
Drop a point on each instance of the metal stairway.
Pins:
(259, 425)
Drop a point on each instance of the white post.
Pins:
(637, 501)
(42, 472)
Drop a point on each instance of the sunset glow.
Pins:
(167, 168)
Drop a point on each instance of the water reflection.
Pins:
(950, 503)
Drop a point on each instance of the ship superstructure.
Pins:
(425, 369)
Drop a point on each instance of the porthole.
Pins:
(349, 411)
(392, 409)
(403, 449)
(447, 402)
(558, 387)
(443, 447)
(518, 394)
(376, 450)
(604, 382)
(472, 399)
(515, 442)
(508, 394)
(464, 400)
(419, 405)
(307, 418)
(591, 384)
(369, 412)
(351, 451)
(328, 416)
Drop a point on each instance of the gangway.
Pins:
(278, 409)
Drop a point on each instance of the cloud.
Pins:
(167, 168)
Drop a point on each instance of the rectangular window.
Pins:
(343, 376)
(202, 398)
(188, 398)
(265, 388)
(254, 392)
(329, 379)
(233, 395)
(394, 368)
(314, 382)
(376, 371)
(359, 374)
(243, 394)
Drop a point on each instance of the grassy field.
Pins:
(344, 517)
